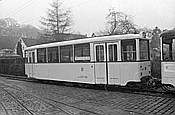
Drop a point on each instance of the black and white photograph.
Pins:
(87, 57)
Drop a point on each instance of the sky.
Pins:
(89, 15)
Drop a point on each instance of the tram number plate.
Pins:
(100, 77)
(82, 76)
(169, 68)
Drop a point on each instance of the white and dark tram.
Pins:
(167, 41)
(111, 60)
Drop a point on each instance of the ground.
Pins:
(28, 98)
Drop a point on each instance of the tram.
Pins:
(167, 42)
(111, 60)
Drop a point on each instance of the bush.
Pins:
(12, 66)
(156, 68)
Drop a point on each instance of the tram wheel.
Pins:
(168, 88)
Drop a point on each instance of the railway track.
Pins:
(84, 99)
(161, 91)
(74, 109)
(11, 99)
(12, 90)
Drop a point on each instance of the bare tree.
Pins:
(10, 27)
(58, 20)
(118, 23)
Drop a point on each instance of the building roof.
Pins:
(8, 42)
(68, 36)
(29, 41)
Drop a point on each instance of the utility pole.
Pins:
(0, 58)
(0, 65)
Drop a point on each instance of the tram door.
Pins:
(30, 64)
(113, 66)
(100, 63)
(106, 66)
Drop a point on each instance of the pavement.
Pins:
(98, 102)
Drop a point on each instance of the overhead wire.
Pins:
(81, 4)
(70, 7)
(20, 8)
(16, 9)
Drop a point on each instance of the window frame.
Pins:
(141, 51)
(125, 45)
(44, 57)
(99, 56)
(53, 51)
(171, 52)
(83, 57)
(69, 48)
(114, 52)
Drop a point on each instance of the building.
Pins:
(8, 44)
(7, 53)
(24, 42)
(15, 45)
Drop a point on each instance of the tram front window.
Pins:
(128, 50)
(169, 50)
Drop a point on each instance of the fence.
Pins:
(12, 66)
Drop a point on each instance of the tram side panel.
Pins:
(129, 72)
(29, 69)
(168, 72)
(114, 77)
(144, 68)
(71, 72)
(100, 73)
(133, 71)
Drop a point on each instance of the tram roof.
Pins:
(168, 34)
(89, 40)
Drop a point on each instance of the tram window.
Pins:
(128, 50)
(66, 53)
(30, 57)
(26, 56)
(52, 54)
(33, 57)
(112, 52)
(41, 55)
(169, 51)
(82, 52)
(99, 53)
(143, 45)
